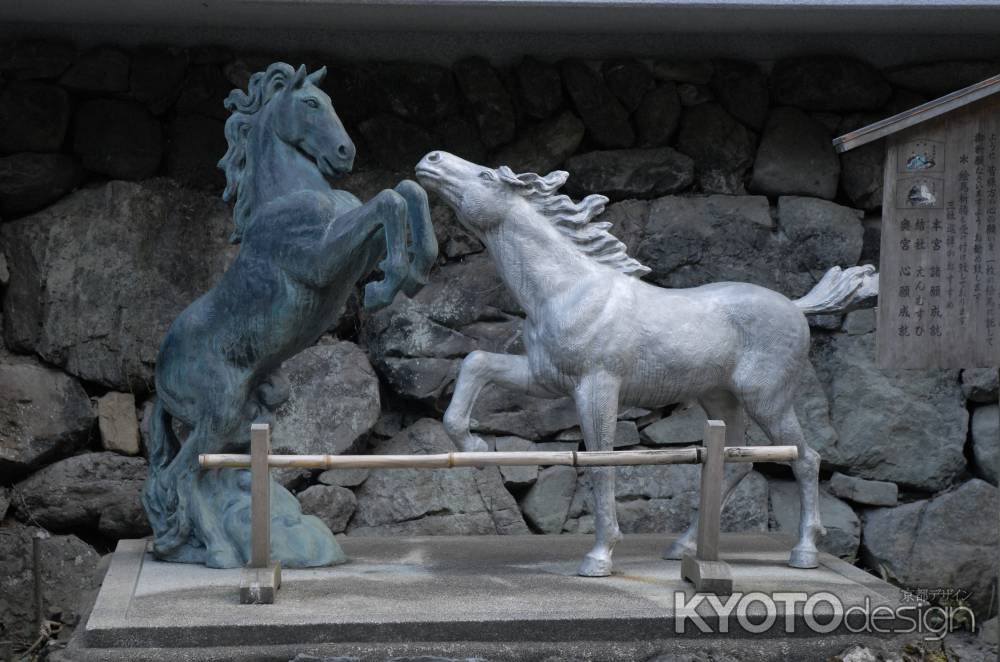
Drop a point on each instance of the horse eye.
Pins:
(312, 103)
(487, 175)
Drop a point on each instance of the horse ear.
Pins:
(317, 76)
(300, 77)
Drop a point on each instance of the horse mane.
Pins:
(237, 162)
(574, 219)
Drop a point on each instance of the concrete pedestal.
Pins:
(499, 598)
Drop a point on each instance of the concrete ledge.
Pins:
(498, 597)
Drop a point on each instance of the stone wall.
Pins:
(717, 170)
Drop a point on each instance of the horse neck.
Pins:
(534, 259)
(278, 168)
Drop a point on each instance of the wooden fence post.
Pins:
(262, 578)
(704, 569)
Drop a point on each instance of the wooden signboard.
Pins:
(939, 303)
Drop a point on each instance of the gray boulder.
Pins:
(97, 278)
(986, 441)
(5, 498)
(117, 422)
(547, 502)
(843, 528)
(722, 148)
(68, 570)
(332, 504)
(393, 141)
(487, 99)
(416, 91)
(944, 541)
(629, 173)
(980, 384)
(685, 425)
(866, 492)
(859, 322)
(436, 501)
(795, 157)
(118, 138)
(334, 400)
(33, 117)
(935, 79)
(605, 118)
(862, 175)
(203, 92)
(539, 88)
(46, 415)
(697, 72)
(628, 80)
(344, 477)
(100, 70)
(741, 88)
(192, 149)
(544, 146)
(156, 77)
(32, 181)
(907, 427)
(657, 117)
(97, 491)
(820, 232)
(516, 477)
(829, 84)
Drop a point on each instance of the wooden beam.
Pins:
(916, 115)
(704, 569)
(262, 578)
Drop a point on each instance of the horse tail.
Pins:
(160, 496)
(841, 290)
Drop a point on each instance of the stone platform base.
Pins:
(498, 598)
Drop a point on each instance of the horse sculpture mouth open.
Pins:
(597, 333)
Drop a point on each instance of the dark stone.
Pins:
(823, 233)
(33, 117)
(658, 115)
(35, 58)
(694, 95)
(395, 143)
(795, 157)
(539, 88)
(698, 73)
(101, 70)
(630, 173)
(157, 76)
(46, 415)
(721, 147)
(828, 83)
(118, 138)
(97, 277)
(605, 118)
(31, 181)
(980, 384)
(741, 88)
(353, 88)
(422, 93)
(628, 80)
(544, 146)
(936, 79)
(862, 175)
(195, 144)
(68, 570)
(458, 135)
(332, 504)
(488, 100)
(97, 491)
(203, 92)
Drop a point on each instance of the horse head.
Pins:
(304, 117)
(481, 197)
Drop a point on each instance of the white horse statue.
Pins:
(597, 333)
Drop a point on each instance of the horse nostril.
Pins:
(434, 157)
(342, 151)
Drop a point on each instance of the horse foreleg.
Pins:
(597, 406)
(478, 370)
(725, 407)
(423, 243)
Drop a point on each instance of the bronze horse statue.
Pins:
(303, 247)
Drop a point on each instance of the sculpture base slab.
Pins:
(499, 598)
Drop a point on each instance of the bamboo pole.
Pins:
(687, 455)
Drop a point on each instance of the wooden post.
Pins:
(704, 569)
(262, 578)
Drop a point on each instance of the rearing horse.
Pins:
(598, 334)
(304, 245)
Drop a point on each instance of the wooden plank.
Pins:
(687, 455)
(938, 300)
(913, 116)
(260, 496)
(710, 502)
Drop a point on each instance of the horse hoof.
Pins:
(377, 295)
(593, 566)
(475, 445)
(678, 550)
(803, 558)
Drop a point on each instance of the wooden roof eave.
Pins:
(916, 115)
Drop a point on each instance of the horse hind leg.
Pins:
(783, 429)
(423, 243)
(388, 209)
(724, 406)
